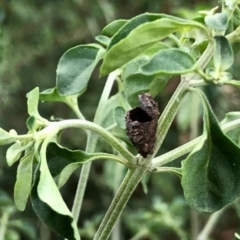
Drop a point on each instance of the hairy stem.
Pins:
(169, 114)
(86, 125)
(73, 104)
(91, 145)
(82, 183)
(126, 189)
(134, 176)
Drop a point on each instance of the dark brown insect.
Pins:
(141, 124)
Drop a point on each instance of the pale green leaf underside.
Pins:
(223, 54)
(50, 197)
(63, 224)
(6, 138)
(218, 22)
(51, 95)
(23, 183)
(14, 153)
(113, 27)
(32, 102)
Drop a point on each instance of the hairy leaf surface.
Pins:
(210, 174)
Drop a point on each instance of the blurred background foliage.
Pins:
(34, 34)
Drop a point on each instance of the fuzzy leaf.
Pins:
(104, 40)
(49, 206)
(210, 174)
(62, 162)
(113, 27)
(32, 102)
(140, 33)
(135, 82)
(6, 138)
(23, 183)
(75, 68)
(169, 61)
(223, 54)
(218, 21)
(14, 153)
(234, 134)
(31, 123)
(119, 114)
(51, 95)
(47, 203)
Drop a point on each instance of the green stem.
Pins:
(171, 109)
(119, 172)
(73, 104)
(126, 189)
(105, 95)
(86, 125)
(82, 183)
(169, 114)
(188, 147)
(134, 176)
(91, 145)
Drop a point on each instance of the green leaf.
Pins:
(75, 68)
(104, 40)
(51, 95)
(210, 174)
(231, 116)
(58, 218)
(236, 47)
(234, 134)
(138, 83)
(113, 27)
(23, 183)
(62, 162)
(223, 54)
(48, 203)
(14, 153)
(31, 123)
(140, 33)
(156, 47)
(144, 182)
(32, 102)
(169, 61)
(119, 114)
(135, 65)
(218, 21)
(135, 83)
(6, 138)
